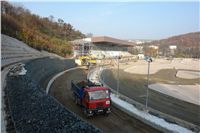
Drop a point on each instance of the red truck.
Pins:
(93, 99)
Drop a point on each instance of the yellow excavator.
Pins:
(87, 60)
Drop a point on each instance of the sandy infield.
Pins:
(188, 74)
(189, 93)
(184, 92)
(140, 67)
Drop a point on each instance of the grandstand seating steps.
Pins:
(109, 54)
(13, 51)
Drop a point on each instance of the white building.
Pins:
(153, 46)
(172, 47)
(140, 56)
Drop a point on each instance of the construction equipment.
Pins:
(86, 60)
(93, 99)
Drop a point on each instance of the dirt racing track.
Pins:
(116, 122)
(28, 108)
(32, 110)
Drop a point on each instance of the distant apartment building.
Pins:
(139, 48)
(153, 46)
(172, 49)
(140, 56)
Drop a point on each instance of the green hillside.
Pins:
(42, 33)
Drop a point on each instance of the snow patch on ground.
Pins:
(23, 71)
(18, 69)
(153, 119)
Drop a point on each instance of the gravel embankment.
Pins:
(32, 110)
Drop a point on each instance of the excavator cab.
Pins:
(87, 60)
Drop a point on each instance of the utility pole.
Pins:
(103, 68)
(83, 49)
(146, 105)
(117, 76)
(149, 60)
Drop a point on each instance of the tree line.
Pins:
(42, 33)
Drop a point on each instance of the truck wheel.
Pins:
(86, 114)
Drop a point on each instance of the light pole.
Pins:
(118, 76)
(103, 67)
(149, 60)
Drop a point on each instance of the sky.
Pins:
(124, 20)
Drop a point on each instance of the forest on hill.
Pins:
(188, 45)
(42, 33)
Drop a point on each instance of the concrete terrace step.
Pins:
(17, 55)
(13, 50)
(5, 48)
(5, 62)
(17, 52)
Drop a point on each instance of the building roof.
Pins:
(105, 39)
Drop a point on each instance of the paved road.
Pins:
(116, 122)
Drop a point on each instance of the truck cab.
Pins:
(94, 99)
